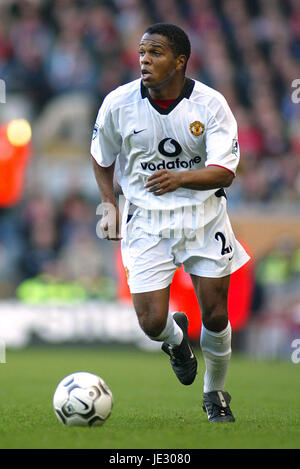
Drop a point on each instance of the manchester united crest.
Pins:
(197, 128)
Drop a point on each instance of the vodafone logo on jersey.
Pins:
(176, 164)
(170, 148)
(164, 147)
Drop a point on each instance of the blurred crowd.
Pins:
(249, 50)
(51, 252)
(277, 278)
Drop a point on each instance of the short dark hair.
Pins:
(178, 39)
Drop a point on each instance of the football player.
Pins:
(173, 143)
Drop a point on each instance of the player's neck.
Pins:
(169, 90)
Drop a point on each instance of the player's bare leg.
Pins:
(215, 341)
(152, 310)
(212, 294)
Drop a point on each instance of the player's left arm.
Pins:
(211, 177)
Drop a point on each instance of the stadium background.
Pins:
(60, 283)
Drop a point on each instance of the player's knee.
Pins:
(152, 324)
(215, 319)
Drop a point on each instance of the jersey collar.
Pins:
(186, 93)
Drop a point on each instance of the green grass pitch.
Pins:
(152, 410)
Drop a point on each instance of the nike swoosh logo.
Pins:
(192, 355)
(222, 400)
(83, 403)
(138, 131)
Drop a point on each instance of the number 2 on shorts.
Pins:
(225, 250)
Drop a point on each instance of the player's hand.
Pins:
(163, 181)
(109, 225)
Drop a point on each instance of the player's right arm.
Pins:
(105, 147)
(110, 221)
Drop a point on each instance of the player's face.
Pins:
(158, 62)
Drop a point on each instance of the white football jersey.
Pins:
(197, 130)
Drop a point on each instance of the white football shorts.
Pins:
(156, 242)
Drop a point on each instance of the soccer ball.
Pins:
(82, 399)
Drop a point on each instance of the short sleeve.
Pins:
(106, 141)
(221, 137)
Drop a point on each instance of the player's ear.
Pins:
(181, 62)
